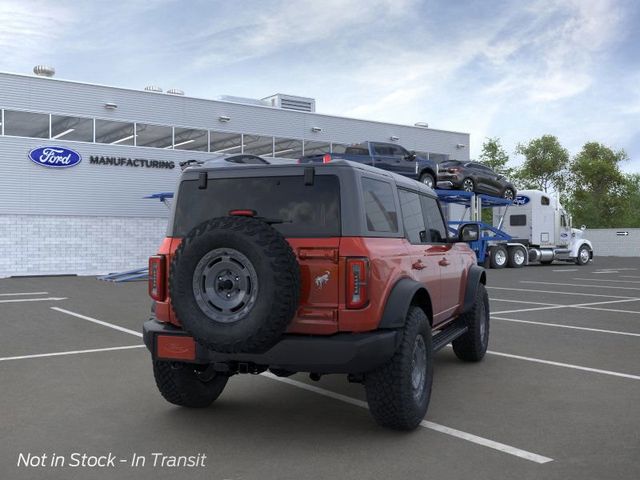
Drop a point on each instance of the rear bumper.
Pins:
(339, 353)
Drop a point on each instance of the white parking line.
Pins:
(566, 270)
(581, 285)
(566, 365)
(20, 300)
(527, 290)
(533, 457)
(521, 301)
(99, 322)
(72, 352)
(576, 305)
(605, 280)
(23, 293)
(573, 327)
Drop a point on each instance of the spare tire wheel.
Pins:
(235, 284)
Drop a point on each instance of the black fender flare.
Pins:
(400, 299)
(430, 171)
(476, 276)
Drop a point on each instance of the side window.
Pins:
(545, 201)
(436, 229)
(517, 220)
(563, 221)
(382, 150)
(380, 208)
(398, 151)
(412, 216)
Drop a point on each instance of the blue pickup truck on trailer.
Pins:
(387, 156)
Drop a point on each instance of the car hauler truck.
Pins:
(532, 228)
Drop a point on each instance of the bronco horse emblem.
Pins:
(321, 280)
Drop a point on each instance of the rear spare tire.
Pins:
(235, 284)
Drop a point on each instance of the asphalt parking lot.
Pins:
(557, 397)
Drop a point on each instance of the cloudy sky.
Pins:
(511, 69)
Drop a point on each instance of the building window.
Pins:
(115, 133)
(257, 145)
(157, 136)
(26, 124)
(338, 148)
(379, 205)
(71, 128)
(316, 148)
(227, 143)
(191, 139)
(287, 148)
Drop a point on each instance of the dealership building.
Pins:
(77, 160)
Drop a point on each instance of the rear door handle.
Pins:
(418, 265)
(444, 262)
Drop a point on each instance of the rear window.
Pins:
(379, 206)
(305, 210)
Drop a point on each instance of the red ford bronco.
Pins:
(332, 268)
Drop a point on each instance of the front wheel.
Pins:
(398, 393)
(187, 385)
(428, 180)
(472, 346)
(584, 255)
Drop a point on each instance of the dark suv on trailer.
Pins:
(329, 268)
(474, 177)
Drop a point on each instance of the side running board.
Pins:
(449, 334)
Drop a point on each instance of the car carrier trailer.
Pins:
(532, 228)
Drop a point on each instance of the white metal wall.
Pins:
(614, 242)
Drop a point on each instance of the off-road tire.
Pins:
(514, 261)
(580, 259)
(389, 389)
(277, 289)
(180, 384)
(496, 260)
(472, 346)
(428, 179)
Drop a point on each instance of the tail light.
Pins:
(157, 276)
(326, 158)
(357, 282)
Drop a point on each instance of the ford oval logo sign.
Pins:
(55, 157)
(521, 200)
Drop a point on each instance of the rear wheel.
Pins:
(498, 255)
(517, 257)
(468, 185)
(508, 193)
(187, 385)
(428, 180)
(398, 393)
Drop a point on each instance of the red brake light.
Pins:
(326, 158)
(157, 278)
(242, 213)
(357, 282)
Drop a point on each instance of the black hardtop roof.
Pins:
(298, 169)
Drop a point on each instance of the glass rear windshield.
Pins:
(304, 210)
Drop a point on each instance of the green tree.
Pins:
(599, 192)
(495, 157)
(545, 164)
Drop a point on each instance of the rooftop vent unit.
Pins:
(175, 91)
(291, 102)
(153, 88)
(44, 71)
